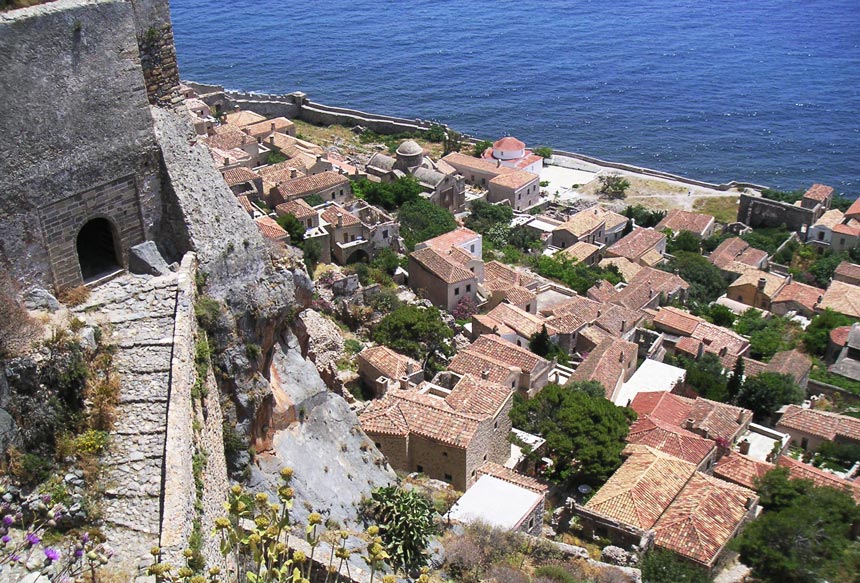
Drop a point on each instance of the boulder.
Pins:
(40, 299)
(145, 259)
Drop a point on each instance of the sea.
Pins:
(765, 91)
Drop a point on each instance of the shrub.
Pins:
(555, 573)
(613, 186)
(543, 152)
(405, 521)
(208, 313)
(75, 296)
(91, 442)
(352, 346)
(17, 329)
(253, 351)
(385, 301)
(480, 147)
(28, 468)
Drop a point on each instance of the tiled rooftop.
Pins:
(636, 243)
(671, 439)
(819, 192)
(820, 423)
(270, 228)
(790, 362)
(821, 478)
(441, 265)
(504, 351)
(580, 251)
(508, 475)
(847, 270)
(298, 208)
(664, 406)
(518, 320)
(516, 179)
(310, 184)
(677, 320)
(773, 282)
(740, 469)
(843, 298)
(390, 363)
(583, 223)
(473, 395)
(805, 295)
(606, 364)
(234, 176)
(456, 238)
(680, 220)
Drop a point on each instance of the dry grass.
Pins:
(349, 142)
(723, 208)
(75, 296)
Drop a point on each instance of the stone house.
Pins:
(242, 181)
(243, 117)
(673, 440)
(693, 336)
(226, 138)
(798, 298)
(677, 220)
(440, 181)
(643, 246)
(202, 116)
(611, 363)
(757, 288)
(497, 360)
(511, 323)
(272, 230)
(844, 348)
(329, 185)
(705, 418)
(649, 289)
(520, 189)
(757, 211)
(735, 256)
(586, 226)
(656, 499)
(848, 273)
(310, 218)
(841, 297)
(446, 431)
(444, 278)
(512, 153)
(823, 479)
(809, 428)
(261, 130)
(613, 226)
(835, 230)
(476, 171)
(582, 252)
(382, 369)
(505, 284)
(358, 232)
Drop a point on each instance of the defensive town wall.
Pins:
(76, 135)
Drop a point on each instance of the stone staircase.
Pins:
(137, 315)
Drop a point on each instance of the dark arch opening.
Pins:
(358, 256)
(96, 249)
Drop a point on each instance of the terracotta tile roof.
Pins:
(421, 414)
(613, 220)
(727, 345)
(677, 320)
(717, 420)
(843, 298)
(635, 244)
(753, 367)
(441, 265)
(311, 184)
(277, 174)
(839, 336)
(227, 137)
(800, 293)
(508, 143)
(508, 352)
(680, 220)
(390, 363)
(854, 209)
(626, 268)
(823, 479)
(606, 364)
(583, 223)
(852, 228)
(651, 258)
(518, 320)
(617, 319)
(225, 157)
(580, 251)
(647, 284)
(740, 469)
(242, 118)
(269, 126)
(820, 423)
(473, 395)
(847, 270)
(703, 518)
(527, 160)
(568, 323)
(819, 192)
(595, 334)
(298, 208)
(773, 282)
(663, 405)
(516, 179)
(499, 272)
(688, 345)
(791, 362)
(503, 473)
(476, 364)
(602, 291)
(736, 249)
(830, 219)
(234, 176)
(245, 204)
(519, 296)
(670, 439)
(458, 161)
(584, 307)
(456, 238)
(270, 228)
(334, 212)
(642, 488)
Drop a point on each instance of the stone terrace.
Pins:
(137, 314)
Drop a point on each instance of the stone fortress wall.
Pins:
(76, 137)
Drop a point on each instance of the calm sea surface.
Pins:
(766, 91)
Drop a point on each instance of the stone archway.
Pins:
(97, 249)
(358, 256)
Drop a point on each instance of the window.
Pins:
(473, 473)
(449, 478)
(468, 287)
(310, 223)
(385, 233)
(496, 424)
(519, 342)
(444, 454)
(332, 195)
(456, 291)
(804, 443)
(472, 249)
(821, 235)
(513, 384)
(346, 237)
(419, 468)
(841, 240)
(378, 446)
(531, 522)
(341, 192)
(520, 196)
(528, 307)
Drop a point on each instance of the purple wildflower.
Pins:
(52, 554)
(6, 538)
(15, 559)
(8, 520)
(79, 553)
(85, 538)
(33, 539)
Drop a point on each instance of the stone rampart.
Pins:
(757, 211)
(75, 124)
(157, 52)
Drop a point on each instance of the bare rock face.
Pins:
(321, 342)
(305, 426)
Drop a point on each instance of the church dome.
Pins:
(409, 148)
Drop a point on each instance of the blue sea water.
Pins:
(766, 91)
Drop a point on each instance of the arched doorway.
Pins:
(358, 256)
(97, 253)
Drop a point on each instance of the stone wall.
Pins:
(75, 120)
(157, 52)
(756, 211)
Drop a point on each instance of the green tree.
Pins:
(483, 216)
(766, 392)
(767, 238)
(804, 536)
(585, 434)
(414, 331)
(817, 334)
(592, 388)
(405, 520)
(452, 142)
(662, 566)
(386, 260)
(683, 241)
(294, 228)
(705, 376)
(388, 195)
(480, 147)
(705, 279)
(642, 216)
(312, 253)
(544, 152)
(824, 266)
(579, 277)
(540, 343)
(735, 382)
(420, 220)
(613, 185)
(720, 315)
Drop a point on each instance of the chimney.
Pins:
(226, 161)
(410, 368)
(623, 325)
(339, 220)
(744, 447)
(272, 139)
(485, 374)
(688, 424)
(621, 356)
(650, 292)
(820, 299)
(273, 127)
(706, 433)
(789, 278)
(404, 383)
(319, 158)
(724, 350)
(247, 131)
(761, 283)
(750, 503)
(293, 173)
(700, 352)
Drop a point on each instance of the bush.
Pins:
(17, 329)
(414, 331)
(544, 152)
(420, 220)
(480, 147)
(579, 277)
(294, 228)
(75, 296)
(30, 469)
(385, 301)
(405, 521)
(555, 573)
(91, 442)
(352, 346)
(208, 313)
(613, 186)
(388, 195)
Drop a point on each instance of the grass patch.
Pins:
(723, 208)
(821, 374)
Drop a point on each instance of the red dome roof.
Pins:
(509, 143)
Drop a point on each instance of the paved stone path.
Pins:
(138, 314)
